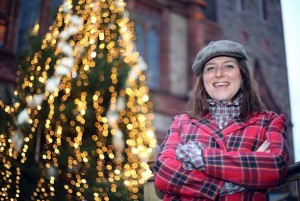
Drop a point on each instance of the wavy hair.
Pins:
(198, 106)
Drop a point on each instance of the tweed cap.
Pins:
(218, 48)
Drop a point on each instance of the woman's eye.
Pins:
(210, 68)
(229, 66)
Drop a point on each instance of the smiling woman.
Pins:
(227, 146)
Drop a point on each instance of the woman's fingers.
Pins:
(264, 147)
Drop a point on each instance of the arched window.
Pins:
(153, 59)
(3, 6)
(2, 33)
(139, 32)
(3, 21)
(263, 9)
(240, 5)
(148, 46)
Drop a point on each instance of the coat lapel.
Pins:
(237, 124)
(210, 126)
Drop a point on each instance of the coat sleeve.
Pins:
(254, 170)
(171, 178)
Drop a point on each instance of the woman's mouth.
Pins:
(221, 84)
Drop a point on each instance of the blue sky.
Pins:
(291, 24)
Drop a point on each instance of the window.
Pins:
(263, 9)
(2, 33)
(148, 46)
(139, 32)
(153, 59)
(210, 10)
(3, 21)
(3, 6)
(241, 5)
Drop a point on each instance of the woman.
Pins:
(227, 147)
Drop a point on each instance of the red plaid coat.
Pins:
(229, 155)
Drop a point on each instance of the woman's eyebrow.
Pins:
(209, 63)
(212, 62)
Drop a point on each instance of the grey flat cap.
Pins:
(218, 48)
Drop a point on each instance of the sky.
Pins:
(291, 25)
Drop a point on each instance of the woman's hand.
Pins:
(190, 154)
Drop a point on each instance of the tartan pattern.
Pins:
(190, 154)
(229, 155)
(223, 110)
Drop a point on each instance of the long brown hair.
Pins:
(198, 106)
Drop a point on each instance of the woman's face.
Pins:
(222, 78)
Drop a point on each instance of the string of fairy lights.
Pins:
(77, 38)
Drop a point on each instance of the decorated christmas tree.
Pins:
(79, 124)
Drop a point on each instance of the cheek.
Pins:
(206, 82)
(237, 78)
(239, 82)
(206, 79)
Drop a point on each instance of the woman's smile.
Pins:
(221, 84)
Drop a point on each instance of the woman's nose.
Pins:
(219, 72)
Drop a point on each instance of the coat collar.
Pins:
(209, 125)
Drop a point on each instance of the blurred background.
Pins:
(168, 36)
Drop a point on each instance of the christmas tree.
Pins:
(79, 125)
